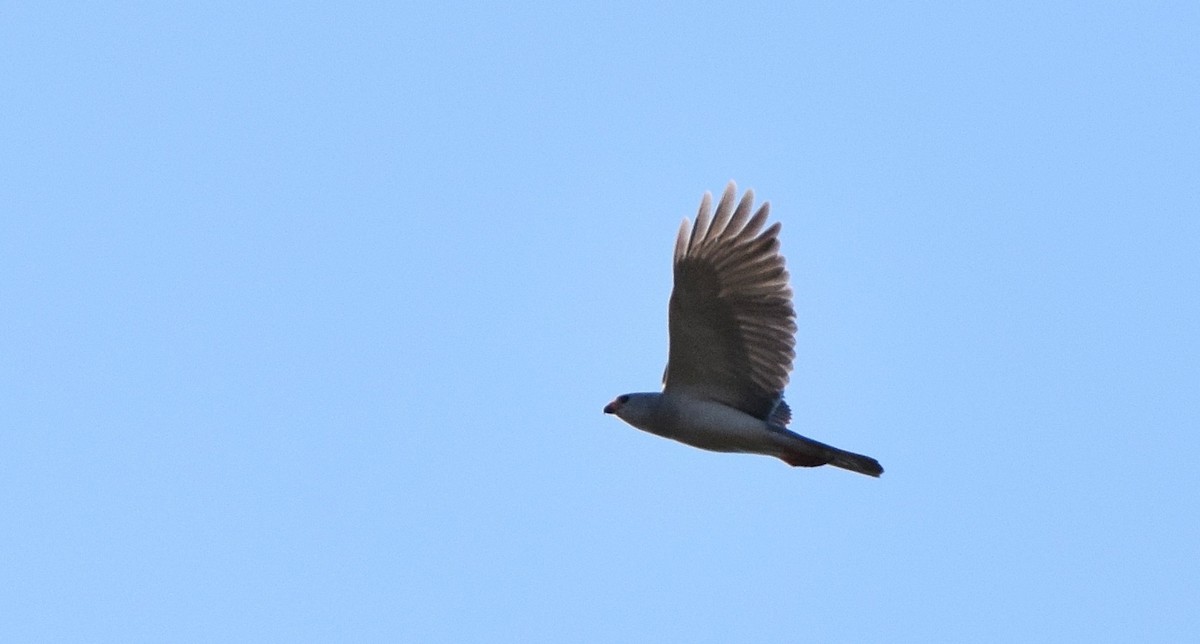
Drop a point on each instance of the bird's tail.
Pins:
(806, 452)
(856, 463)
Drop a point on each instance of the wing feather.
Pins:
(732, 323)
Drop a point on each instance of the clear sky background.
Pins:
(308, 313)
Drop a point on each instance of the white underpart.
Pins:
(716, 427)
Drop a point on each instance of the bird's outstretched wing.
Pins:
(731, 319)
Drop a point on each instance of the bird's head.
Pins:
(635, 409)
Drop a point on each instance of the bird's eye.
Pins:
(622, 399)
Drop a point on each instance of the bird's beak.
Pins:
(611, 408)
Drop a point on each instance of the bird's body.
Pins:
(703, 423)
(732, 327)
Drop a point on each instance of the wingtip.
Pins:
(727, 198)
(681, 239)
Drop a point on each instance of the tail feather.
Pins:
(807, 452)
(856, 463)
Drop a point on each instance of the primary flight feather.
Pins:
(732, 329)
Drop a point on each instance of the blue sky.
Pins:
(310, 311)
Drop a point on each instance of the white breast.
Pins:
(717, 427)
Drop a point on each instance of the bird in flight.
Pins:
(732, 329)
